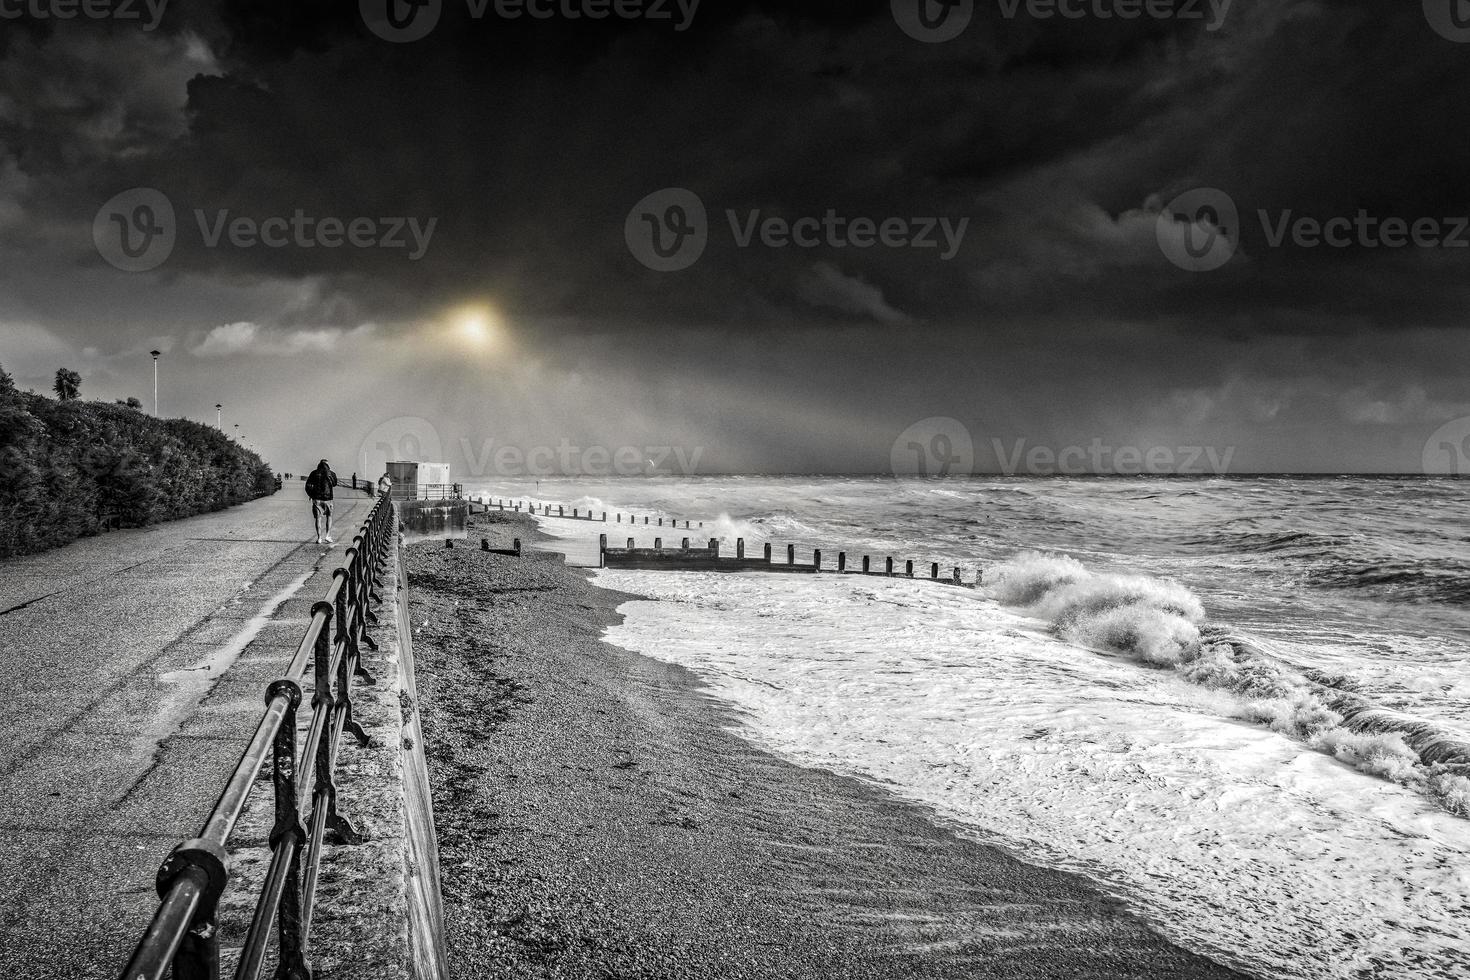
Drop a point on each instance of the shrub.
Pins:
(65, 465)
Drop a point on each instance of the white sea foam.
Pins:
(1258, 780)
(1159, 622)
(1235, 838)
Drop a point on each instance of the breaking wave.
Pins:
(1162, 623)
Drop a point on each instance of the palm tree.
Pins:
(68, 384)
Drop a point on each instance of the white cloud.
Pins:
(251, 338)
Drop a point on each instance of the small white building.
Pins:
(414, 480)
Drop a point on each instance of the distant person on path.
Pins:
(385, 485)
(319, 488)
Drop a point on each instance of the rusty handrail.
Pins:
(183, 935)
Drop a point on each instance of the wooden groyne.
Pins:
(687, 557)
(578, 514)
(709, 559)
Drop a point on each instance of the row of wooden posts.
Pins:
(577, 515)
(708, 559)
(685, 558)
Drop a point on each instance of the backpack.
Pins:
(316, 485)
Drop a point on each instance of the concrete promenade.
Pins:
(135, 664)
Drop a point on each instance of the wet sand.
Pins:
(598, 816)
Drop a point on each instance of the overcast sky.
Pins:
(441, 237)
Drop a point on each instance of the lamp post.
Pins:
(155, 354)
(237, 432)
(219, 416)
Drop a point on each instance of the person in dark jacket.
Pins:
(319, 488)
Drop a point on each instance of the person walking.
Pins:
(319, 488)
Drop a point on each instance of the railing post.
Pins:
(288, 831)
(197, 957)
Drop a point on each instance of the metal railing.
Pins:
(427, 491)
(184, 931)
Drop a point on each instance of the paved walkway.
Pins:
(136, 663)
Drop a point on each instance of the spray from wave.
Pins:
(1162, 623)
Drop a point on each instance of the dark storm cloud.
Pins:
(526, 142)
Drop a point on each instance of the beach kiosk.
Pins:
(428, 504)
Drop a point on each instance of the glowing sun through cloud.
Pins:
(477, 326)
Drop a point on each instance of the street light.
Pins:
(219, 416)
(155, 354)
(237, 432)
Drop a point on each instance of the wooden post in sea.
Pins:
(630, 544)
(574, 512)
(865, 564)
(484, 544)
(604, 517)
(561, 511)
(684, 544)
(516, 544)
(957, 575)
(768, 552)
(842, 561)
(908, 568)
(645, 520)
(660, 522)
(620, 518)
(791, 554)
(934, 570)
(889, 570)
(714, 547)
(658, 544)
(817, 559)
(739, 547)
